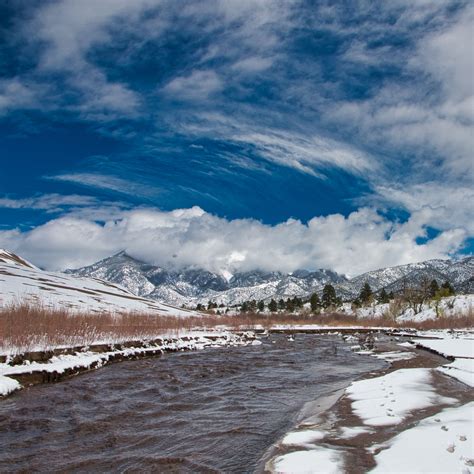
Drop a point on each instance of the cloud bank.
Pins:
(362, 241)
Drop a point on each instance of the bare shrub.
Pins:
(25, 327)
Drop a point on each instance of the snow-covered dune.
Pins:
(22, 282)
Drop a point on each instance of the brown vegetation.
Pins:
(24, 327)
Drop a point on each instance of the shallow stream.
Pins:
(216, 410)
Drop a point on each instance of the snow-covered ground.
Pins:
(88, 359)
(22, 282)
(457, 345)
(449, 306)
(440, 443)
(389, 399)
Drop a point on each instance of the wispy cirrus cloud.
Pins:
(108, 182)
(263, 91)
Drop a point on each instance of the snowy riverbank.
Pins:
(412, 414)
(50, 366)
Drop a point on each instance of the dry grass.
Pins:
(26, 328)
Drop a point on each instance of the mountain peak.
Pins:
(193, 285)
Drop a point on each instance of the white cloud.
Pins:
(431, 118)
(50, 202)
(252, 64)
(305, 151)
(102, 181)
(198, 85)
(362, 241)
(15, 94)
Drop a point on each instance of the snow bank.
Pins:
(322, 460)
(448, 307)
(450, 346)
(389, 399)
(303, 438)
(460, 369)
(441, 443)
(8, 385)
(88, 359)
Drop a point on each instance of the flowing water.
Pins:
(216, 410)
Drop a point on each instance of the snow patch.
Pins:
(389, 399)
(323, 460)
(441, 443)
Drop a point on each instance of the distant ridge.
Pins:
(191, 286)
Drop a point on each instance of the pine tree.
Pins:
(281, 304)
(272, 306)
(448, 288)
(434, 288)
(315, 303)
(297, 302)
(365, 295)
(329, 297)
(383, 297)
(261, 306)
(245, 307)
(290, 305)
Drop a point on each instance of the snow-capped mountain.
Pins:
(191, 286)
(460, 273)
(21, 281)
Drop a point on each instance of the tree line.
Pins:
(414, 296)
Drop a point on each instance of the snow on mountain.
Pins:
(457, 272)
(21, 281)
(191, 286)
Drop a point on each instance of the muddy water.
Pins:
(216, 410)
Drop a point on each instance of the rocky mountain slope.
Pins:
(192, 286)
(22, 282)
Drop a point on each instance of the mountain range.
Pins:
(190, 286)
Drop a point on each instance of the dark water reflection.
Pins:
(216, 410)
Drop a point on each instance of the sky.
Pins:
(237, 134)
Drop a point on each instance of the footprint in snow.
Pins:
(451, 448)
(437, 420)
(462, 438)
(444, 428)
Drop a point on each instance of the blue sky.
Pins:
(321, 134)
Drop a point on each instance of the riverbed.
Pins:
(216, 410)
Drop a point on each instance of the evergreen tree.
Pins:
(297, 302)
(199, 307)
(448, 288)
(329, 297)
(357, 303)
(245, 307)
(383, 297)
(315, 303)
(273, 306)
(365, 295)
(261, 306)
(253, 306)
(433, 288)
(391, 296)
(290, 305)
(281, 304)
